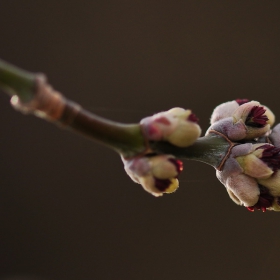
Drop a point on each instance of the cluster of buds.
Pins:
(251, 172)
(158, 173)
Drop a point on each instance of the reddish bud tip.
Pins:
(251, 208)
(241, 101)
(193, 118)
(265, 200)
(162, 184)
(271, 156)
(257, 117)
(178, 164)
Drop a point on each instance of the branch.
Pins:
(16, 81)
(239, 144)
(32, 94)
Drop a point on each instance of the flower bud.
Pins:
(251, 176)
(256, 164)
(242, 188)
(272, 183)
(254, 117)
(241, 122)
(157, 174)
(265, 201)
(226, 109)
(177, 126)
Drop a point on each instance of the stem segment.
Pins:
(210, 149)
(16, 81)
(35, 96)
(126, 139)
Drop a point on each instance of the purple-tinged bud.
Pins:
(249, 121)
(265, 200)
(251, 176)
(223, 111)
(262, 164)
(254, 118)
(177, 126)
(242, 189)
(226, 109)
(157, 174)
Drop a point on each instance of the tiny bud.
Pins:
(255, 164)
(254, 117)
(242, 189)
(177, 126)
(264, 202)
(157, 174)
(249, 120)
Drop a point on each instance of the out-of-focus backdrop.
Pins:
(68, 211)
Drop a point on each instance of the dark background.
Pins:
(67, 208)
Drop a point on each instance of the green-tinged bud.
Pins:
(272, 183)
(177, 126)
(253, 165)
(157, 173)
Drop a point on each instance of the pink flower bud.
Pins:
(157, 174)
(177, 126)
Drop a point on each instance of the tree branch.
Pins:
(32, 94)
